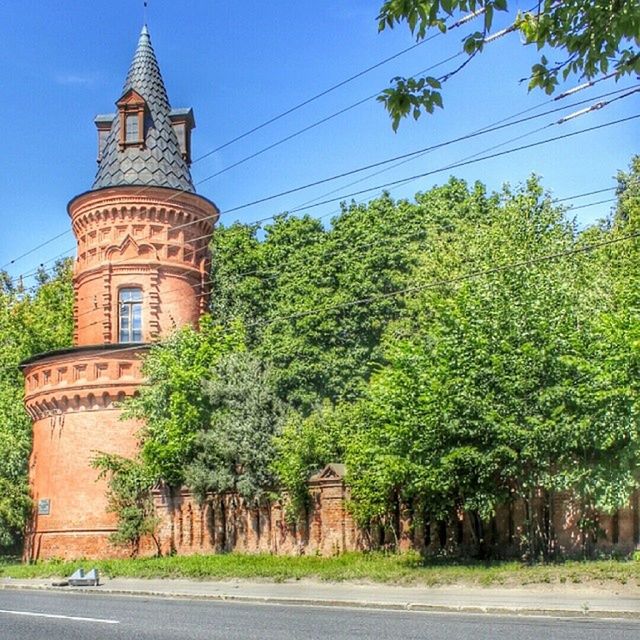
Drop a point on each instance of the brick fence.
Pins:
(224, 523)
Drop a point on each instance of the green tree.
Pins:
(475, 403)
(403, 236)
(316, 301)
(234, 452)
(603, 462)
(31, 322)
(173, 405)
(593, 38)
(130, 498)
(306, 445)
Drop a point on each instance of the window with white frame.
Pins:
(130, 314)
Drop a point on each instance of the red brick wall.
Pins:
(225, 523)
(156, 239)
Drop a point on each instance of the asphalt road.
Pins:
(56, 616)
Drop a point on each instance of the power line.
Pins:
(491, 127)
(414, 153)
(488, 129)
(278, 272)
(468, 162)
(468, 276)
(592, 204)
(323, 93)
(414, 289)
(42, 244)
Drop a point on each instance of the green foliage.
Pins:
(408, 568)
(174, 406)
(463, 414)
(130, 498)
(607, 392)
(279, 285)
(594, 38)
(512, 368)
(15, 506)
(235, 451)
(31, 322)
(411, 95)
(304, 447)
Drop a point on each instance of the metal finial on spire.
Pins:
(145, 5)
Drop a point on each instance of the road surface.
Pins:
(35, 615)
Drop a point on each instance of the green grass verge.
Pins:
(407, 568)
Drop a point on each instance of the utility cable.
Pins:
(491, 127)
(279, 272)
(414, 153)
(443, 282)
(304, 103)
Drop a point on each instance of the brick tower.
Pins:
(141, 270)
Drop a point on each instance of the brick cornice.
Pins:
(83, 381)
(161, 200)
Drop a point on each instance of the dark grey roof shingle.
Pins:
(160, 163)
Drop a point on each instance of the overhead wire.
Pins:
(464, 162)
(404, 291)
(443, 282)
(565, 94)
(278, 272)
(470, 16)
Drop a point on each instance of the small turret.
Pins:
(145, 142)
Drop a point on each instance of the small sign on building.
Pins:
(44, 507)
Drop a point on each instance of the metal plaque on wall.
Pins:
(44, 506)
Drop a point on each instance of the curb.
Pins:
(350, 604)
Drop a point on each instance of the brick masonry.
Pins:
(225, 523)
(126, 237)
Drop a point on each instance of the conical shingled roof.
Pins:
(160, 162)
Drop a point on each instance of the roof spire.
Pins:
(158, 160)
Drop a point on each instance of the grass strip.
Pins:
(409, 568)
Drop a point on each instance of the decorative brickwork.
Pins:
(156, 239)
(224, 523)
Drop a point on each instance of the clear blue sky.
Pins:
(240, 63)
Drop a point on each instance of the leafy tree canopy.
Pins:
(234, 452)
(512, 368)
(594, 38)
(31, 322)
(174, 406)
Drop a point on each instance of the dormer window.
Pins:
(131, 109)
(132, 128)
(183, 122)
(103, 124)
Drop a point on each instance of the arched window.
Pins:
(130, 314)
